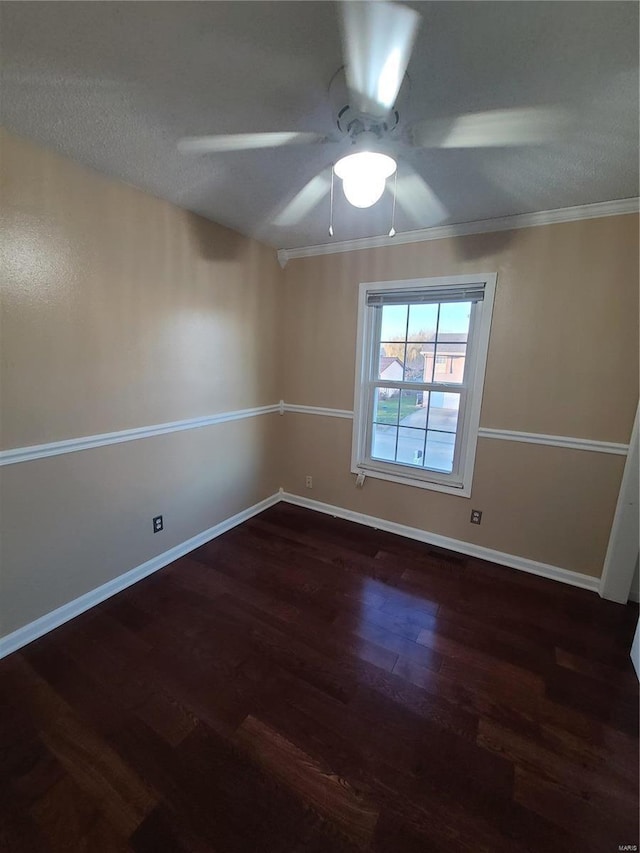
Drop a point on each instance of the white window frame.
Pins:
(460, 481)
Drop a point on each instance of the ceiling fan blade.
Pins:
(527, 126)
(245, 141)
(304, 201)
(418, 201)
(377, 41)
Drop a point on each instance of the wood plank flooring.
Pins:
(306, 684)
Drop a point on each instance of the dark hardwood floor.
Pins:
(305, 684)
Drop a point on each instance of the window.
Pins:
(418, 422)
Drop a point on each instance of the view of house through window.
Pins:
(419, 379)
(424, 344)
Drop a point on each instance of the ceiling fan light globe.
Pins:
(363, 190)
(363, 176)
(365, 162)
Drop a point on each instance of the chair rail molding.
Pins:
(87, 442)
(566, 441)
(15, 455)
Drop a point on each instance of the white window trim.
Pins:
(393, 471)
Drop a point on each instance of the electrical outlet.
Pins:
(157, 524)
(476, 516)
(308, 481)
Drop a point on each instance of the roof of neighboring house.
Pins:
(448, 343)
(387, 361)
(448, 337)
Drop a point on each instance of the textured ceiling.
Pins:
(115, 85)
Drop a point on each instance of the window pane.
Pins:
(451, 349)
(413, 409)
(391, 364)
(410, 445)
(439, 451)
(454, 319)
(386, 405)
(422, 354)
(423, 321)
(449, 362)
(384, 442)
(414, 363)
(428, 354)
(394, 323)
(443, 411)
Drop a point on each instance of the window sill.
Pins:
(370, 470)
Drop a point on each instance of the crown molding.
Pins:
(617, 207)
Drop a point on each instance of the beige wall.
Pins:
(563, 360)
(120, 310)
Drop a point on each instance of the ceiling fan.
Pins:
(377, 39)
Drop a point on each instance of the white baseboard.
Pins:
(14, 641)
(523, 564)
(28, 633)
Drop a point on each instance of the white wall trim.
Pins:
(504, 434)
(28, 633)
(635, 651)
(71, 445)
(555, 441)
(87, 442)
(318, 410)
(521, 563)
(622, 550)
(617, 207)
(19, 638)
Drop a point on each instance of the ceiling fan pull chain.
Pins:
(392, 232)
(331, 209)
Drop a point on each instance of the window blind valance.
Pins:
(427, 295)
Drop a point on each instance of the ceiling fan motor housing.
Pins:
(352, 122)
